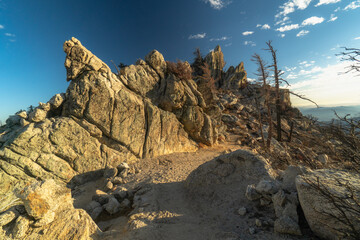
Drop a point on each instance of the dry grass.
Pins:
(181, 70)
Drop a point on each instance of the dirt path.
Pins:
(164, 209)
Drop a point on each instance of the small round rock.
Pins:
(242, 211)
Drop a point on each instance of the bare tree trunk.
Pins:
(263, 75)
(277, 89)
(260, 123)
(269, 119)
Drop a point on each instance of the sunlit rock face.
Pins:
(103, 119)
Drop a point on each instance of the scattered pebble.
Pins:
(242, 211)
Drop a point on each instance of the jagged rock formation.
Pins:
(215, 60)
(103, 120)
(234, 78)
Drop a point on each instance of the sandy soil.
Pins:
(164, 209)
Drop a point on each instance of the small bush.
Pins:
(181, 70)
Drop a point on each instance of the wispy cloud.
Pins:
(219, 39)
(288, 28)
(282, 35)
(283, 21)
(198, 36)
(325, 2)
(306, 64)
(217, 4)
(9, 35)
(357, 38)
(265, 26)
(311, 71)
(250, 43)
(2, 26)
(289, 69)
(302, 33)
(247, 33)
(312, 21)
(327, 87)
(332, 18)
(353, 5)
(292, 5)
(228, 44)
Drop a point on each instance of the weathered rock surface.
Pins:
(225, 179)
(235, 78)
(51, 206)
(215, 60)
(330, 201)
(101, 121)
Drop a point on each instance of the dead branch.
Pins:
(304, 98)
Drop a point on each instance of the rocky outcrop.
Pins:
(215, 60)
(330, 201)
(47, 212)
(235, 78)
(102, 120)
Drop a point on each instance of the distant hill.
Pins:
(327, 113)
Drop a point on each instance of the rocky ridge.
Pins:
(98, 137)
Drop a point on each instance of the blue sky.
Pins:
(306, 33)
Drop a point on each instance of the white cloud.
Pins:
(327, 87)
(302, 33)
(228, 44)
(265, 26)
(312, 21)
(291, 76)
(282, 35)
(353, 5)
(247, 33)
(217, 4)
(306, 64)
(250, 43)
(197, 36)
(322, 2)
(283, 21)
(332, 18)
(292, 5)
(311, 71)
(288, 28)
(9, 35)
(289, 69)
(1, 26)
(357, 38)
(337, 9)
(219, 39)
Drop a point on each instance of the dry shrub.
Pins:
(181, 70)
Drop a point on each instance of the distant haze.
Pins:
(327, 113)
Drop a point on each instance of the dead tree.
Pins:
(198, 62)
(277, 75)
(352, 55)
(347, 131)
(263, 74)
